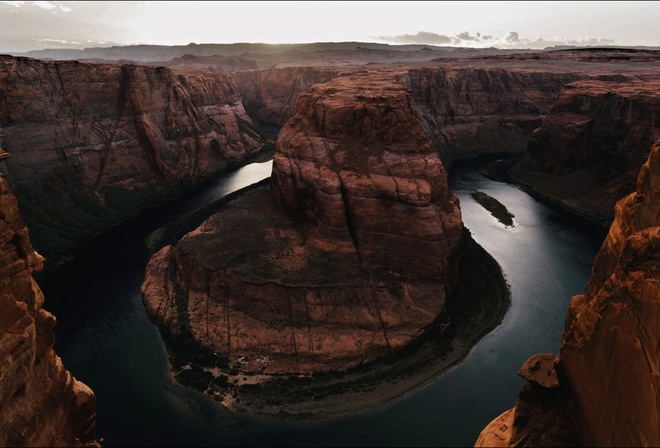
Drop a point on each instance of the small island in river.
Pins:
(495, 207)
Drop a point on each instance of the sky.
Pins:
(47, 24)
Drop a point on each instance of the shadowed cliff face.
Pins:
(591, 146)
(472, 111)
(609, 361)
(93, 144)
(42, 404)
(270, 95)
(356, 250)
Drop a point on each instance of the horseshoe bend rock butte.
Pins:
(348, 256)
(609, 362)
(42, 403)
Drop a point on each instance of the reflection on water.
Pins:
(106, 339)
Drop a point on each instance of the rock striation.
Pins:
(357, 247)
(588, 151)
(270, 95)
(93, 144)
(42, 403)
(355, 161)
(469, 111)
(609, 363)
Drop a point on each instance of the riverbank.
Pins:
(474, 310)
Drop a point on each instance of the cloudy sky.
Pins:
(47, 24)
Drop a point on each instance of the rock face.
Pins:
(356, 161)
(465, 111)
(471, 111)
(609, 360)
(42, 403)
(358, 243)
(591, 146)
(93, 144)
(269, 96)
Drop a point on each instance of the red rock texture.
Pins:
(593, 143)
(93, 144)
(42, 403)
(270, 95)
(357, 244)
(468, 111)
(610, 347)
(608, 365)
(356, 161)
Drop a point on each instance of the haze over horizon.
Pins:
(26, 26)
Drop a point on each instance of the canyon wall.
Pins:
(93, 144)
(466, 111)
(608, 370)
(588, 151)
(42, 403)
(269, 96)
(472, 111)
(357, 249)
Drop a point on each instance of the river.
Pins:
(107, 341)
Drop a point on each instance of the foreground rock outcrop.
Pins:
(356, 250)
(93, 144)
(588, 151)
(42, 403)
(609, 363)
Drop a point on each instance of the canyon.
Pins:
(357, 254)
(94, 144)
(42, 403)
(602, 388)
(359, 238)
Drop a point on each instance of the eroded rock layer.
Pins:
(471, 111)
(355, 161)
(42, 403)
(589, 149)
(356, 248)
(610, 348)
(609, 362)
(93, 144)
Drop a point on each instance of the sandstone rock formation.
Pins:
(588, 151)
(608, 365)
(93, 144)
(355, 159)
(269, 96)
(356, 248)
(42, 403)
(471, 111)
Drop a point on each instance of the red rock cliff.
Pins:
(270, 95)
(359, 265)
(609, 361)
(589, 149)
(471, 111)
(93, 144)
(42, 403)
(355, 159)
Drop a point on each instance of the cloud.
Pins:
(512, 40)
(513, 37)
(422, 37)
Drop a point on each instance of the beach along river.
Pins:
(107, 341)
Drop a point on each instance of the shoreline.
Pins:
(473, 311)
